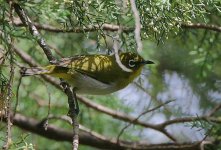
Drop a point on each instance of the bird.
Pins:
(96, 74)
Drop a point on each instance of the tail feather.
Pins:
(33, 71)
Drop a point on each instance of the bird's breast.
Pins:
(87, 85)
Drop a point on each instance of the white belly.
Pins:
(87, 85)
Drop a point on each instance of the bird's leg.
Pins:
(63, 84)
(72, 98)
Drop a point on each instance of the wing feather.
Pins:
(98, 67)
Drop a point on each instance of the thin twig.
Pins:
(213, 111)
(137, 26)
(117, 57)
(17, 95)
(64, 118)
(143, 113)
(153, 98)
(188, 119)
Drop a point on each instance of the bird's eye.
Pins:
(131, 63)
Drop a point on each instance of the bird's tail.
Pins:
(33, 71)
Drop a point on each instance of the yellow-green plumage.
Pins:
(95, 74)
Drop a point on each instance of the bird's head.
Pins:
(133, 61)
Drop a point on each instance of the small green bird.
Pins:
(94, 74)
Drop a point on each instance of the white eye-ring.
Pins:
(131, 63)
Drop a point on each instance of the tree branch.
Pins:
(113, 28)
(28, 23)
(91, 138)
(89, 28)
(201, 26)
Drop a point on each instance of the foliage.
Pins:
(189, 55)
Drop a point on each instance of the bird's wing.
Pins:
(94, 66)
(65, 62)
(99, 67)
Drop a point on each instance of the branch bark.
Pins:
(91, 139)
(201, 26)
(113, 28)
(89, 28)
(33, 30)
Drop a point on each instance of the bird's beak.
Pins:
(148, 62)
